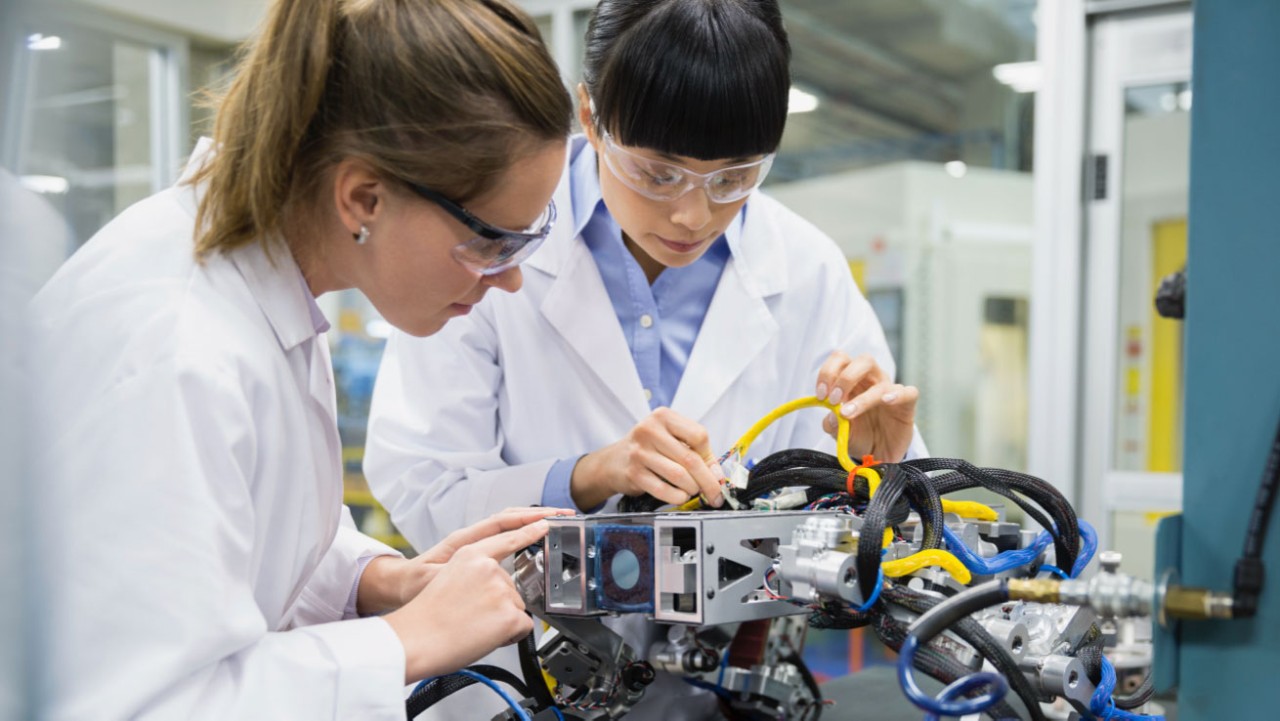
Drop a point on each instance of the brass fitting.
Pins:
(1037, 590)
(1196, 603)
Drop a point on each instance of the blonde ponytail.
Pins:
(438, 92)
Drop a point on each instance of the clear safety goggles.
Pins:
(657, 180)
(493, 249)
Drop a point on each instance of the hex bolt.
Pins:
(1110, 561)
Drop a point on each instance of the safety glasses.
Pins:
(493, 249)
(657, 180)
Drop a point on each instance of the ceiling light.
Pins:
(40, 41)
(798, 101)
(48, 184)
(1022, 77)
(1184, 100)
(956, 168)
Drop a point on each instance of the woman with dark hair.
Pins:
(674, 307)
(205, 567)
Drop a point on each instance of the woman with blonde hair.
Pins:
(207, 567)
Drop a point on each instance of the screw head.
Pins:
(711, 593)
(711, 548)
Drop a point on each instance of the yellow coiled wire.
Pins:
(903, 566)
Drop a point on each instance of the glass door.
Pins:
(1137, 180)
(99, 116)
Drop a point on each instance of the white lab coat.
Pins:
(469, 421)
(190, 439)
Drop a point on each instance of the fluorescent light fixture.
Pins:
(798, 101)
(378, 328)
(47, 184)
(40, 41)
(1022, 77)
(956, 168)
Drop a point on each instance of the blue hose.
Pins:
(1087, 549)
(1006, 561)
(951, 701)
(1010, 560)
(875, 595)
(1104, 707)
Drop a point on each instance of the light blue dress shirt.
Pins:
(660, 321)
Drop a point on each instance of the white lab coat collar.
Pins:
(272, 277)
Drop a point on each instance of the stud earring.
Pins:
(363, 236)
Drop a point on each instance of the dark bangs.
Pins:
(706, 79)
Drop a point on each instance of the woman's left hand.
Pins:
(882, 413)
(388, 582)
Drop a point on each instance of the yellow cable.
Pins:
(842, 424)
(893, 569)
(964, 509)
(692, 504)
(930, 557)
(547, 678)
(873, 480)
(970, 509)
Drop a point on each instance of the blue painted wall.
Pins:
(1232, 669)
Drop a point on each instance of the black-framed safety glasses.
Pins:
(493, 249)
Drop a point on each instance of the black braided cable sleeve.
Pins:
(441, 688)
(532, 672)
(1067, 537)
(796, 458)
(928, 503)
(870, 538)
(956, 481)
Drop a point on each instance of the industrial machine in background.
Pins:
(1006, 616)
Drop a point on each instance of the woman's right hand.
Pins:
(665, 455)
(469, 608)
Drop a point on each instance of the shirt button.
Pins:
(646, 321)
(648, 394)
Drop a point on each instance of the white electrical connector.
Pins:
(794, 499)
(736, 473)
